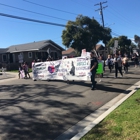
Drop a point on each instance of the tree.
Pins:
(137, 40)
(133, 46)
(106, 35)
(84, 33)
(110, 44)
(123, 43)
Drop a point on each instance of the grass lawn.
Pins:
(122, 124)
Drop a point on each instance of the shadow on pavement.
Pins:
(29, 116)
(106, 88)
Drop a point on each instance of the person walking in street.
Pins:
(125, 64)
(100, 61)
(26, 70)
(109, 63)
(136, 60)
(118, 65)
(93, 68)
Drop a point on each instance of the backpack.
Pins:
(109, 62)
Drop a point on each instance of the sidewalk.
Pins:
(7, 75)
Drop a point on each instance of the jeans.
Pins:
(116, 71)
(125, 69)
(93, 78)
(110, 68)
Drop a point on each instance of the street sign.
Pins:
(115, 46)
(115, 43)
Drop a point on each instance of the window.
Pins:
(29, 54)
(4, 57)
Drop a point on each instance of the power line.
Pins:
(101, 10)
(119, 34)
(32, 20)
(115, 34)
(50, 7)
(54, 8)
(32, 11)
(85, 6)
(121, 15)
(81, 4)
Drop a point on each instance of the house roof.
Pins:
(68, 51)
(3, 50)
(33, 46)
(98, 47)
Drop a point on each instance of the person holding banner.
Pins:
(93, 68)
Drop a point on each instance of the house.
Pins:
(28, 52)
(70, 52)
(101, 50)
(3, 56)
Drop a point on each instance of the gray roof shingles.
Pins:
(31, 46)
(3, 50)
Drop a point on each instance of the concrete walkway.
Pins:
(7, 75)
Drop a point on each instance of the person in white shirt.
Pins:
(109, 62)
(125, 64)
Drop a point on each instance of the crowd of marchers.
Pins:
(117, 62)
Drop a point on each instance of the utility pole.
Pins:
(101, 10)
(102, 16)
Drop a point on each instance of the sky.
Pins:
(122, 16)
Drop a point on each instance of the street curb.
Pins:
(133, 89)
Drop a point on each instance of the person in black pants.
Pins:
(136, 61)
(93, 67)
(109, 63)
(118, 65)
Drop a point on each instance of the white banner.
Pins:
(67, 69)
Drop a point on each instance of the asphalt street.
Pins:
(42, 110)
